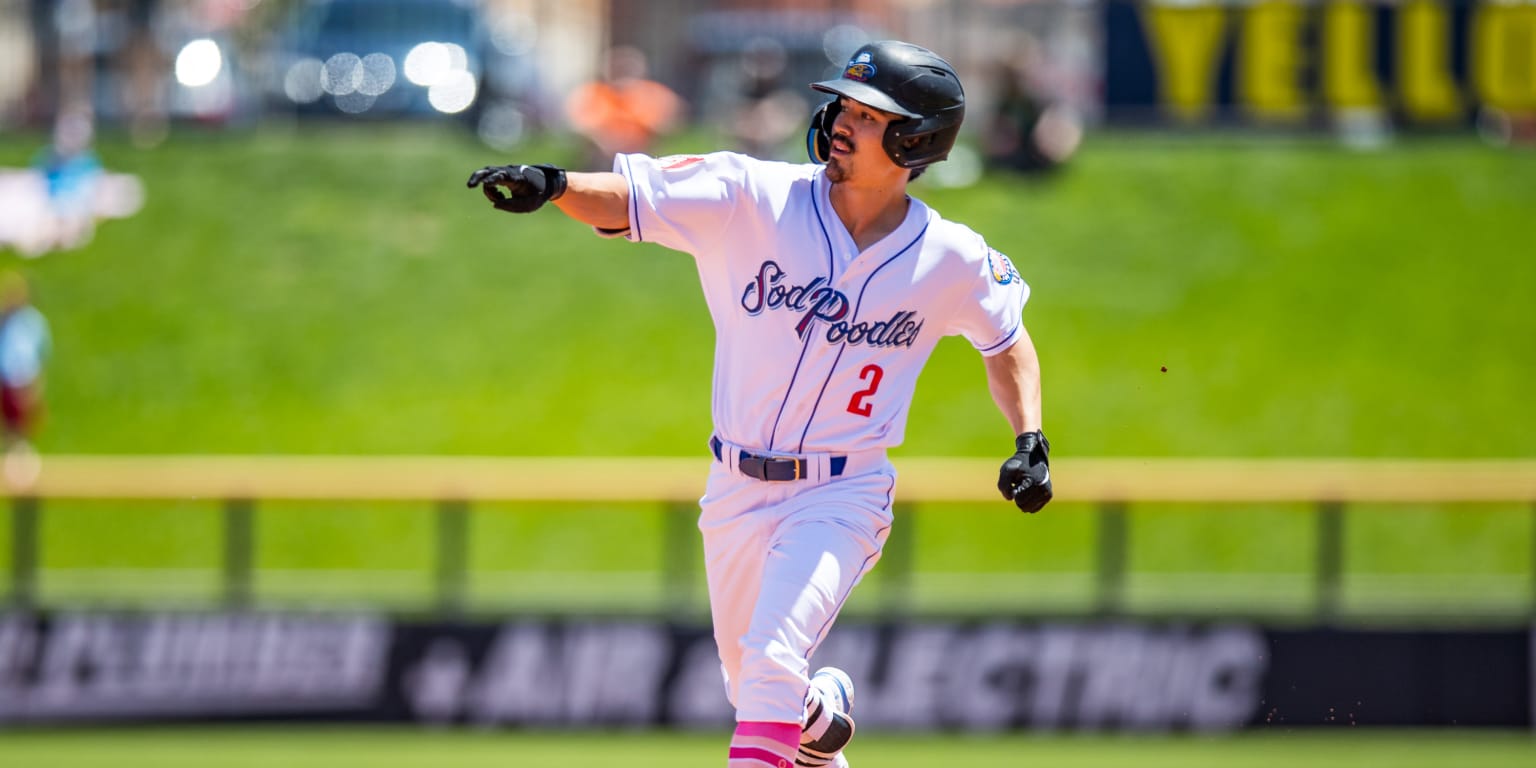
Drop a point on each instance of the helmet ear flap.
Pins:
(818, 140)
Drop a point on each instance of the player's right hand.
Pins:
(1025, 479)
(528, 187)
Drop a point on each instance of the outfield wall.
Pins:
(1002, 673)
(85, 667)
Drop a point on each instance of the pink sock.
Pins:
(755, 745)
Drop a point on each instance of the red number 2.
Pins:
(857, 406)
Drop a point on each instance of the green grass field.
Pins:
(291, 748)
(321, 291)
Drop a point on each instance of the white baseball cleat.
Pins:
(828, 721)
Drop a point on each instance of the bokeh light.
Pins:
(342, 75)
(355, 102)
(502, 126)
(427, 63)
(378, 74)
(454, 93)
(198, 63)
(839, 42)
(513, 33)
(302, 83)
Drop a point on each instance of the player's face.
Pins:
(857, 154)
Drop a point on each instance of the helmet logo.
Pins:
(862, 68)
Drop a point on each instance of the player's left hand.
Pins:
(528, 187)
(1025, 479)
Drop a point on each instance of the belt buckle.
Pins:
(796, 464)
(776, 461)
(765, 463)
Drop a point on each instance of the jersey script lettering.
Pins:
(818, 300)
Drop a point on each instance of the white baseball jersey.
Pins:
(817, 346)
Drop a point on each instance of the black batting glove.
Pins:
(528, 187)
(1025, 479)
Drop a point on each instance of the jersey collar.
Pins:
(843, 247)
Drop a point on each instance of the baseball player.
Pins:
(829, 287)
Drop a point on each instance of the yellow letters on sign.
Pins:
(1504, 55)
(1424, 62)
(1349, 42)
(1186, 44)
(1273, 53)
(1270, 60)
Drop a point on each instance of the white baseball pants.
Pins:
(781, 559)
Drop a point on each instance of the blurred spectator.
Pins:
(66, 35)
(1505, 128)
(1028, 132)
(71, 169)
(770, 111)
(144, 67)
(24, 347)
(56, 203)
(624, 111)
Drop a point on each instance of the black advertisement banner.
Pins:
(1425, 62)
(84, 667)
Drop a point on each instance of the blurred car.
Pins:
(394, 58)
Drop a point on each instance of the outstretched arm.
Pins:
(1013, 376)
(598, 199)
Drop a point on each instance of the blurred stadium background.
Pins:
(339, 467)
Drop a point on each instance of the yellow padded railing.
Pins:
(921, 479)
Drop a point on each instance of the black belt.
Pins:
(775, 468)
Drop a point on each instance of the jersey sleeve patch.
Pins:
(678, 162)
(1002, 269)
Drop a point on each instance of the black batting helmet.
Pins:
(904, 79)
